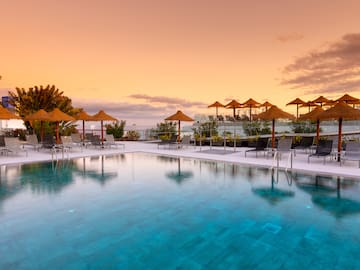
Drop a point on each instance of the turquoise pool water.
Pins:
(141, 211)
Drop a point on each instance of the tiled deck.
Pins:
(228, 154)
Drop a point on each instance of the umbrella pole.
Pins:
(216, 112)
(273, 134)
(102, 133)
(339, 139)
(178, 138)
(41, 131)
(317, 131)
(83, 137)
(57, 133)
(234, 112)
(250, 114)
(297, 111)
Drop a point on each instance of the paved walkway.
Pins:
(228, 154)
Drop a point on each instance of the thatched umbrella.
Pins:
(313, 115)
(321, 100)
(216, 105)
(7, 115)
(179, 116)
(271, 114)
(102, 116)
(266, 104)
(56, 116)
(341, 111)
(250, 103)
(297, 102)
(41, 115)
(330, 103)
(83, 116)
(348, 99)
(309, 104)
(233, 105)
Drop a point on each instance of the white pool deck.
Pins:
(300, 163)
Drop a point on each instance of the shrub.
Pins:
(205, 129)
(116, 129)
(164, 130)
(256, 128)
(133, 135)
(303, 127)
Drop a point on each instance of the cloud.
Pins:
(168, 100)
(336, 68)
(124, 109)
(141, 114)
(290, 37)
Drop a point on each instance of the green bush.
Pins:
(255, 128)
(164, 130)
(303, 127)
(116, 129)
(205, 129)
(133, 135)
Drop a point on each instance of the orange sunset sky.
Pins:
(141, 60)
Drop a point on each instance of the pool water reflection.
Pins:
(142, 211)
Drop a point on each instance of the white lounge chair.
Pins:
(76, 139)
(185, 142)
(110, 141)
(352, 152)
(33, 141)
(13, 145)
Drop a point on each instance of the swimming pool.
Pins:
(142, 211)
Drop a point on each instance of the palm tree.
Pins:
(35, 98)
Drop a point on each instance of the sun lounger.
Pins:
(260, 146)
(185, 142)
(13, 145)
(3, 150)
(110, 141)
(33, 141)
(167, 142)
(323, 149)
(76, 139)
(95, 141)
(305, 144)
(283, 146)
(67, 143)
(352, 152)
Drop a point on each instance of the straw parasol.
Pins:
(313, 115)
(102, 116)
(83, 116)
(347, 99)
(216, 105)
(6, 115)
(309, 104)
(179, 116)
(266, 104)
(341, 111)
(297, 102)
(233, 105)
(330, 103)
(321, 100)
(250, 103)
(271, 114)
(40, 115)
(56, 116)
